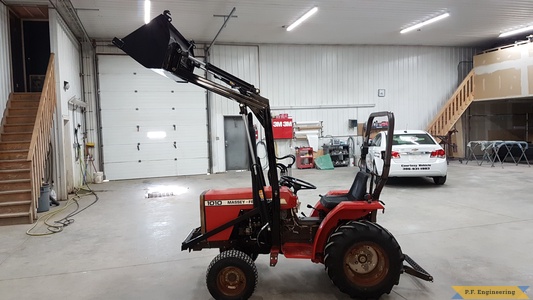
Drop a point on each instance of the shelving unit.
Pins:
(340, 154)
(303, 129)
(304, 158)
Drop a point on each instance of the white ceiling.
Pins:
(471, 22)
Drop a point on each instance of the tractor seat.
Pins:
(357, 192)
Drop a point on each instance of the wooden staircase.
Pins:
(15, 169)
(24, 141)
(453, 109)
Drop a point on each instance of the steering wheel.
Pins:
(296, 184)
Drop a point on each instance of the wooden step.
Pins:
(15, 195)
(15, 207)
(26, 96)
(14, 145)
(16, 136)
(15, 174)
(15, 164)
(15, 218)
(22, 112)
(15, 184)
(24, 104)
(13, 154)
(20, 120)
(18, 128)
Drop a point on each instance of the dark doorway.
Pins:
(17, 54)
(36, 53)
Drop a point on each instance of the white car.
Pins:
(415, 153)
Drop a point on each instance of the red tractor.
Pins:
(361, 257)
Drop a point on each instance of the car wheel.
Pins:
(439, 180)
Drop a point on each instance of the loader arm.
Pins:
(159, 46)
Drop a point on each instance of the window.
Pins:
(377, 140)
(412, 139)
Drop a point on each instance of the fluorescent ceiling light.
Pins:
(516, 31)
(146, 11)
(416, 26)
(156, 135)
(302, 18)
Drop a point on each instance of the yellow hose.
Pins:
(52, 227)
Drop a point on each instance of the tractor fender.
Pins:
(344, 211)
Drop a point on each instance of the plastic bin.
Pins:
(44, 198)
(98, 177)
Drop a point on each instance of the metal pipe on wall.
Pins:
(89, 83)
(208, 115)
(341, 106)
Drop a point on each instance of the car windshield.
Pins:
(412, 139)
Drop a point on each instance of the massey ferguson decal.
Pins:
(229, 202)
(235, 202)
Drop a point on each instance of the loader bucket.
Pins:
(157, 44)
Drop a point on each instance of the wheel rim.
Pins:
(366, 264)
(231, 281)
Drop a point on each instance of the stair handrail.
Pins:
(40, 138)
(450, 113)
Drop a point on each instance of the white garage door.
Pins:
(151, 125)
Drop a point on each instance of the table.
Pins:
(490, 151)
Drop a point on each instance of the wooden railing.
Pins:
(454, 108)
(40, 139)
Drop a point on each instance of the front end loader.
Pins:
(362, 258)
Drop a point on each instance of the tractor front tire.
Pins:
(232, 275)
(253, 254)
(363, 260)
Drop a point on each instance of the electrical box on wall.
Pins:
(282, 127)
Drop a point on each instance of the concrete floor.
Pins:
(474, 230)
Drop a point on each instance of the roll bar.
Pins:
(388, 150)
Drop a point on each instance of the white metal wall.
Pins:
(336, 83)
(69, 162)
(5, 58)
(243, 62)
(417, 81)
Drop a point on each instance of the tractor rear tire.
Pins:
(363, 260)
(232, 275)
